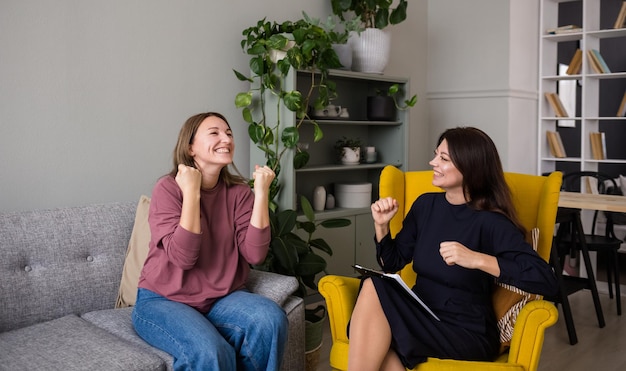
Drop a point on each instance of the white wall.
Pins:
(93, 93)
(482, 71)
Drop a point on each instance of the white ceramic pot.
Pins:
(344, 52)
(351, 156)
(370, 50)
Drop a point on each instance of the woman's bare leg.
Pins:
(370, 334)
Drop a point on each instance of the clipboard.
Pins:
(398, 280)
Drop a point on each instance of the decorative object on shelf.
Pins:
(348, 150)
(383, 105)
(372, 46)
(370, 154)
(353, 195)
(330, 201)
(332, 111)
(344, 113)
(319, 198)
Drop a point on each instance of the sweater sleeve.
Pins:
(181, 246)
(252, 243)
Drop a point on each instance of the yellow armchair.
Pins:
(536, 201)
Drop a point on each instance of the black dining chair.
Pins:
(606, 244)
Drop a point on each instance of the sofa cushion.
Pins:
(71, 343)
(119, 323)
(136, 254)
(61, 261)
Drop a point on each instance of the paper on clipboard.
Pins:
(395, 277)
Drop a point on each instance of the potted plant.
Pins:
(383, 105)
(306, 47)
(371, 48)
(339, 31)
(348, 150)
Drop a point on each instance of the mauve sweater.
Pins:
(198, 269)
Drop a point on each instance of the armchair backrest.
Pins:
(535, 199)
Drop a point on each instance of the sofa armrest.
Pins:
(529, 332)
(272, 285)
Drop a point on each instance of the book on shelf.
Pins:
(556, 104)
(597, 62)
(621, 111)
(570, 28)
(621, 17)
(575, 65)
(556, 144)
(598, 145)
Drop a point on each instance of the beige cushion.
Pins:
(135, 255)
(508, 301)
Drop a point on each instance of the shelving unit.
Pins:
(353, 244)
(597, 95)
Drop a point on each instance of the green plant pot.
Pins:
(314, 327)
(313, 333)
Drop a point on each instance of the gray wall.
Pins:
(93, 93)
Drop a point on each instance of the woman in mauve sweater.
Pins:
(207, 227)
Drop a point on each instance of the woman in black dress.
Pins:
(458, 241)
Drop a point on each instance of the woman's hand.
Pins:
(263, 177)
(455, 253)
(382, 211)
(189, 179)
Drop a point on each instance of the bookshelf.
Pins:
(592, 99)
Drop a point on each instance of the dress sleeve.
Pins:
(394, 253)
(520, 265)
(181, 246)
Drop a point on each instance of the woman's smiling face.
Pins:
(213, 143)
(446, 175)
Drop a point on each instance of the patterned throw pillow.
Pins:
(508, 301)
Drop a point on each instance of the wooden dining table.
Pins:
(591, 201)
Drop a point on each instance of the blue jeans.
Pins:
(242, 331)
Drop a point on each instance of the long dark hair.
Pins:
(476, 157)
(181, 153)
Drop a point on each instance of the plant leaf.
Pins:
(321, 245)
(242, 77)
(300, 159)
(336, 223)
(243, 99)
(307, 209)
(310, 264)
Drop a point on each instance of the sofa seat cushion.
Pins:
(71, 343)
(119, 323)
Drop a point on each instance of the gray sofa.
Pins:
(60, 272)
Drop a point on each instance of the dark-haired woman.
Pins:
(207, 227)
(458, 241)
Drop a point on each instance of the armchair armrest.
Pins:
(529, 332)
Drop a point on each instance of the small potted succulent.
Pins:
(348, 150)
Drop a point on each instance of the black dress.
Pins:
(460, 297)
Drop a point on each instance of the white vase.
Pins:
(370, 50)
(319, 198)
(344, 53)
